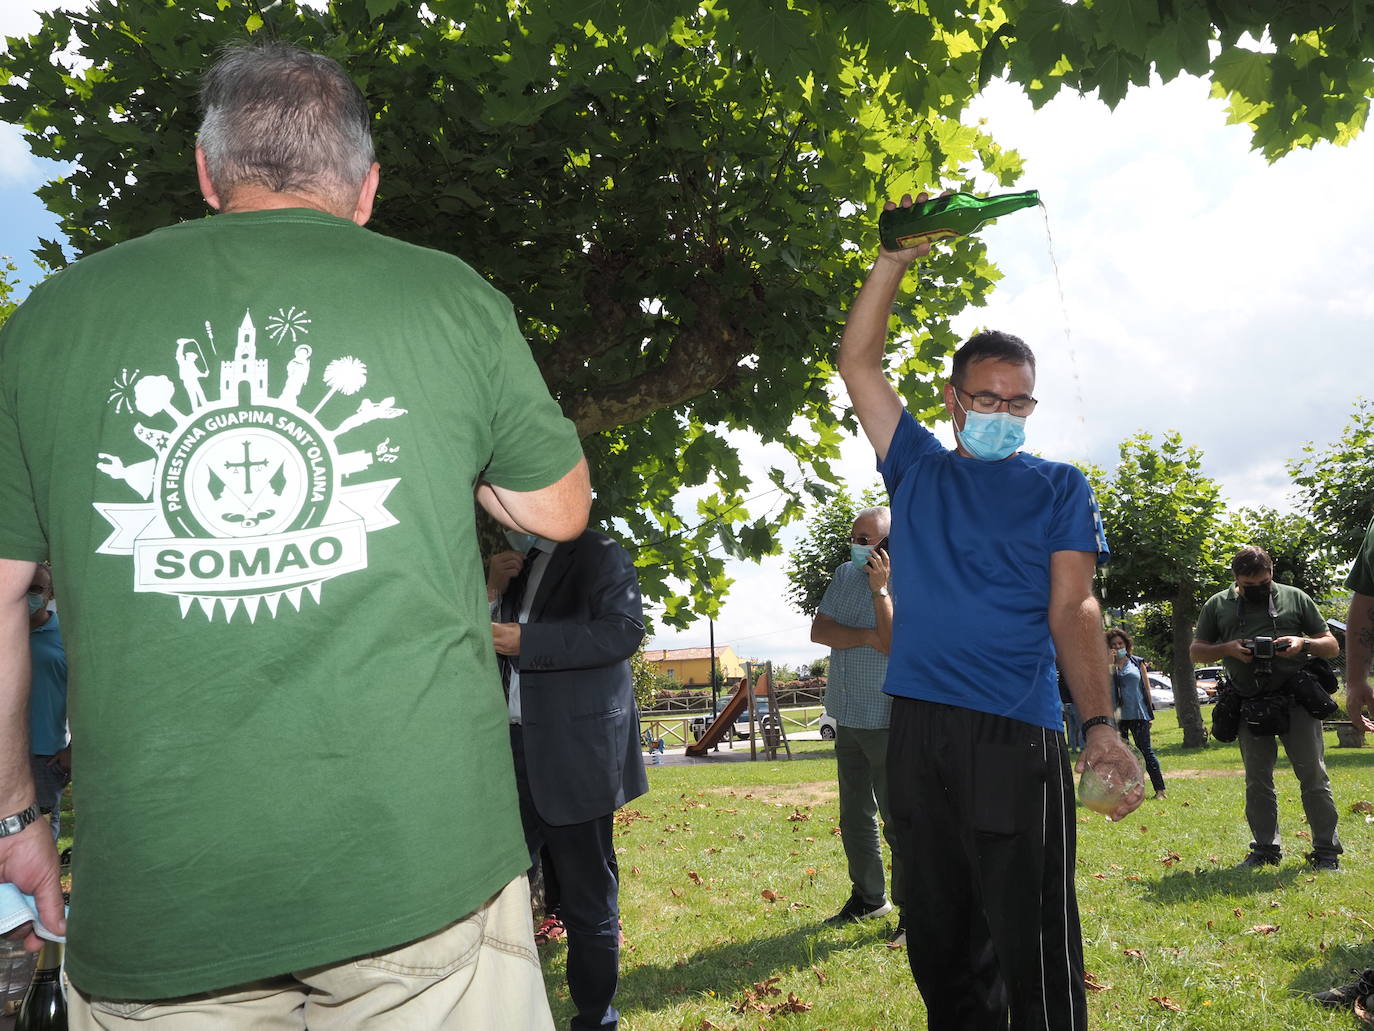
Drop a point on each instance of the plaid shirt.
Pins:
(854, 692)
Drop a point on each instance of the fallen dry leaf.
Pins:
(1171, 857)
(820, 975)
(769, 894)
(694, 877)
(1092, 984)
(1265, 928)
(1363, 806)
(797, 814)
(1239, 912)
(675, 893)
(1166, 1003)
(1135, 953)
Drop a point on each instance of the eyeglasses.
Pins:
(865, 541)
(987, 403)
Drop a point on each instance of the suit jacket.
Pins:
(577, 705)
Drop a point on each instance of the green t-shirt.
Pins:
(249, 445)
(1361, 578)
(1226, 617)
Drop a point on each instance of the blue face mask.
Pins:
(858, 553)
(37, 602)
(521, 542)
(991, 437)
(1121, 653)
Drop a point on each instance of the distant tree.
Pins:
(1163, 519)
(820, 667)
(8, 269)
(784, 674)
(1336, 483)
(824, 545)
(1152, 631)
(648, 680)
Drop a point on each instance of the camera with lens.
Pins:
(1262, 648)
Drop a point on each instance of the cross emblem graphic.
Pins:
(247, 465)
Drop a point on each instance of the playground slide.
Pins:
(722, 724)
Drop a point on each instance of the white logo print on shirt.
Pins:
(244, 499)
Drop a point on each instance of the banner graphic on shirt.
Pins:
(244, 497)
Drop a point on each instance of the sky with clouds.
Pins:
(1203, 290)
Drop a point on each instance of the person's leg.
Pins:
(859, 817)
(276, 1004)
(948, 945)
(1025, 837)
(1140, 731)
(480, 972)
(875, 748)
(589, 905)
(1258, 753)
(1307, 752)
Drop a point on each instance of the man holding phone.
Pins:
(1264, 632)
(855, 620)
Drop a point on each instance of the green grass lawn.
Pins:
(727, 871)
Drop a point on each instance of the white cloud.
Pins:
(17, 165)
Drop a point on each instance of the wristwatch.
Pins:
(881, 592)
(1305, 645)
(1105, 721)
(16, 823)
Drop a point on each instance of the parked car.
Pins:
(828, 725)
(1209, 678)
(1162, 692)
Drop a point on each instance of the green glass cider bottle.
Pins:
(45, 1007)
(942, 217)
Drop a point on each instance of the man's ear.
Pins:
(367, 195)
(207, 188)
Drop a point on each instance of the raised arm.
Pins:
(865, 336)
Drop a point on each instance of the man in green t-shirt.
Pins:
(1233, 628)
(252, 446)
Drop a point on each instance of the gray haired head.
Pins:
(282, 118)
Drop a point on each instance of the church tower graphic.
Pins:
(246, 366)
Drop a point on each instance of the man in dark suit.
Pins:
(569, 620)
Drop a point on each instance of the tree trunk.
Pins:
(1184, 612)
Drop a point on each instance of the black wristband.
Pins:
(1105, 721)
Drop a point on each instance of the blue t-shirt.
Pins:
(971, 546)
(48, 698)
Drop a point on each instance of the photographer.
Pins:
(1265, 634)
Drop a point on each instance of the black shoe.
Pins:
(857, 909)
(1255, 859)
(1324, 861)
(1346, 995)
(898, 939)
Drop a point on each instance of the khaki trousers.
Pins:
(479, 974)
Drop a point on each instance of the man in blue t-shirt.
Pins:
(993, 554)
(50, 759)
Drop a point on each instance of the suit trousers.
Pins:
(984, 808)
(1306, 750)
(589, 899)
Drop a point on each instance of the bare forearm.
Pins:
(1205, 651)
(882, 619)
(16, 786)
(836, 635)
(1359, 637)
(1077, 633)
(861, 354)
